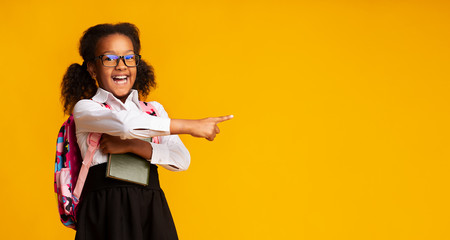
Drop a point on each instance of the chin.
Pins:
(121, 94)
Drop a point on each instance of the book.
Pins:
(129, 167)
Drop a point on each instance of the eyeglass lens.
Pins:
(131, 60)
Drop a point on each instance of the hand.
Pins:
(113, 144)
(207, 127)
(204, 128)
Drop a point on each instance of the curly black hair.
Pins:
(78, 84)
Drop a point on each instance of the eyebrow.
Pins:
(105, 52)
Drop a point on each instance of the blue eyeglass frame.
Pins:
(118, 59)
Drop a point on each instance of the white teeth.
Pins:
(120, 81)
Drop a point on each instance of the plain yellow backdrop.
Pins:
(341, 114)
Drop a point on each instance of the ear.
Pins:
(91, 69)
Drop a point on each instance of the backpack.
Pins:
(71, 169)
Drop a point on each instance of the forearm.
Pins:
(141, 148)
(181, 126)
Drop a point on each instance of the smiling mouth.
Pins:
(122, 79)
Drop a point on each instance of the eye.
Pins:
(129, 57)
(110, 58)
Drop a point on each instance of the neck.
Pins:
(123, 98)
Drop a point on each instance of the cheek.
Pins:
(105, 72)
(101, 82)
(133, 75)
(103, 77)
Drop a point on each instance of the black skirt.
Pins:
(116, 210)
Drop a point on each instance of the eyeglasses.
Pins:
(131, 60)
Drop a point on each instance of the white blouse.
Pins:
(128, 121)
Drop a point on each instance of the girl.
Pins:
(103, 94)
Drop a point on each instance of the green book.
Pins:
(128, 167)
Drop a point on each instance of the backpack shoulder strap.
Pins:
(148, 108)
(93, 140)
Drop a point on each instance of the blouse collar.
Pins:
(103, 96)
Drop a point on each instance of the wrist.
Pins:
(130, 146)
(188, 126)
(140, 147)
(181, 126)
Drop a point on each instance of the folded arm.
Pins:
(92, 117)
(170, 153)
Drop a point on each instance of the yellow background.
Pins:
(341, 126)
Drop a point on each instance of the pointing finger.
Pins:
(224, 118)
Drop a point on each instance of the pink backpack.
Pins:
(71, 170)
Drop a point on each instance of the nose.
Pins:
(121, 64)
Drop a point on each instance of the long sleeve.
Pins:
(170, 153)
(127, 121)
(90, 116)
